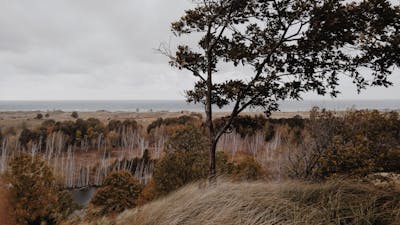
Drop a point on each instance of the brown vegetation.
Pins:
(119, 192)
(6, 210)
(287, 203)
(34, 194)
(357, 143)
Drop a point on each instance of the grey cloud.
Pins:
(96, 49)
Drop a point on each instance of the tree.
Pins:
(283, 48)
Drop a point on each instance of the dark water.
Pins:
(83, 196)
(178, 105)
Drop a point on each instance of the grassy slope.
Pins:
(268, 203)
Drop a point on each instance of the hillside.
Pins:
(290, 203)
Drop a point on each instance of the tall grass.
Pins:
(290, 203)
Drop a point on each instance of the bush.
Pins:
(187, 139)
(6, 211)
(186, 161)
(182, 120)
(249, 170)
(356, 144)
(74, 115)
(33, 191)
(148, 194)
(120, 191)
(244, 125)
(39, 116)
(178, 168)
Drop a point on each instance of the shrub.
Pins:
(49, 123)
(148, 194)
(187, 139)
(6, 211)
(39, 116)
(186, 161)
(25, 137)
(244, 125)
(74, 115)
(65, 206)
(120, 191)
(355, 144)
(182, 120)
(248, 169)
(113, 138)
(33, 191)
(178, 168)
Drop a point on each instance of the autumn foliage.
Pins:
(356, 143)
(119, 192)
(34, 193)
(7, 216)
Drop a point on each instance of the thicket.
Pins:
(76, 132)
(354, 143)
(182, 120)
(34, 193)
(247, 126)
(186, 161)
(357, 143)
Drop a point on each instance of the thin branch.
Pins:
(167, 52)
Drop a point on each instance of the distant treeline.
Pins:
(78, 132)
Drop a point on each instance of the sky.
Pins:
(102, 50)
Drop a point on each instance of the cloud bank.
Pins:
(99, 49)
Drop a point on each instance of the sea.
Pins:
(181, 105)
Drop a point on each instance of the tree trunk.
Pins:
(212, 145)
(212, 173)
(209, 120)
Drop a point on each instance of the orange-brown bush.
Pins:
(6, 211)
(148, 194)
(120, 192)
(34, 194)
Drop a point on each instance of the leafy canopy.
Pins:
(291, 47)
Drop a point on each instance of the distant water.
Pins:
(83, 196)
(177, 105)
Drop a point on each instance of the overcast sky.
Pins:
(100, 49)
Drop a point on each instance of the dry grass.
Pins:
(6, 216)
(290, 203)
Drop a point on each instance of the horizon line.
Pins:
(61, 100)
